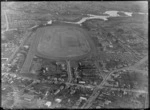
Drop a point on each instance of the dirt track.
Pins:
(71, 53)
(63, 41)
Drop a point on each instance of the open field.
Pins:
(63, 41)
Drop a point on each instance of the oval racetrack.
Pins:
(63, 42)
(59, 42)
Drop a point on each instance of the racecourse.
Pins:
(63, 41)
(60, 41)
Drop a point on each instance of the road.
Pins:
(99, 69)
(137, 70)
(96, 90)
(84, 86)
(69, 71)
(27, 64)
(112, 88)
(7, 24)
(17, 49)
(141, 61)
(134, 53)
(146, 101)
(124, 89)
(23, 76)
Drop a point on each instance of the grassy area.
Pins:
(64, 43)
(76, 6)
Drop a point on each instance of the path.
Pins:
(69, 71)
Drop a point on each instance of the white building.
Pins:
(83, 98)
(26, 46)
(48, 103)
(58, 100)
(82, 82)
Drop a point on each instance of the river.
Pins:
(107, 14)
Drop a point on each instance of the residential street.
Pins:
(69, 71)
(96, 90)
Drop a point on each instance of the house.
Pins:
(58, 100)
(28, 97)
(48, 103)
(26, 46)
(83, 98)
(57, 91)
(82, 82)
